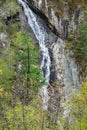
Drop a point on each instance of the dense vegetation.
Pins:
(21, 78)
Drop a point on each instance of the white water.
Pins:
(66, 67)
(41, 34)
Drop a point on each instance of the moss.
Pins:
(49, 8)
(70, 38)
(13, 28)
(10, 7)
(59, 5)
(59, 12)
(1, 27)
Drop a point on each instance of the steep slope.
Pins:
(61, 63)
(41, 83)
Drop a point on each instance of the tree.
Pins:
(78, 109)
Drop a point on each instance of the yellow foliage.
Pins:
(1, 72)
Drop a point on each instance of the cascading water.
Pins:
(64, 64)
(40, 31)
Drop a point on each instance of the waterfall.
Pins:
(41, 34)
(64, 65)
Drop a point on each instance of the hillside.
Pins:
(43, 65)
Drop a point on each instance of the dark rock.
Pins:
(13, 18)
(52, 68)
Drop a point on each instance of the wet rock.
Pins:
(61, 67)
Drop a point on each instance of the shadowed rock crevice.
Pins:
(12, 19)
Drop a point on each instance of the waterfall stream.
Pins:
(65, 66)
(66, 69)
(41, 34)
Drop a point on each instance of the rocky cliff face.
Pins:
(51, 27)
(64, 18)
